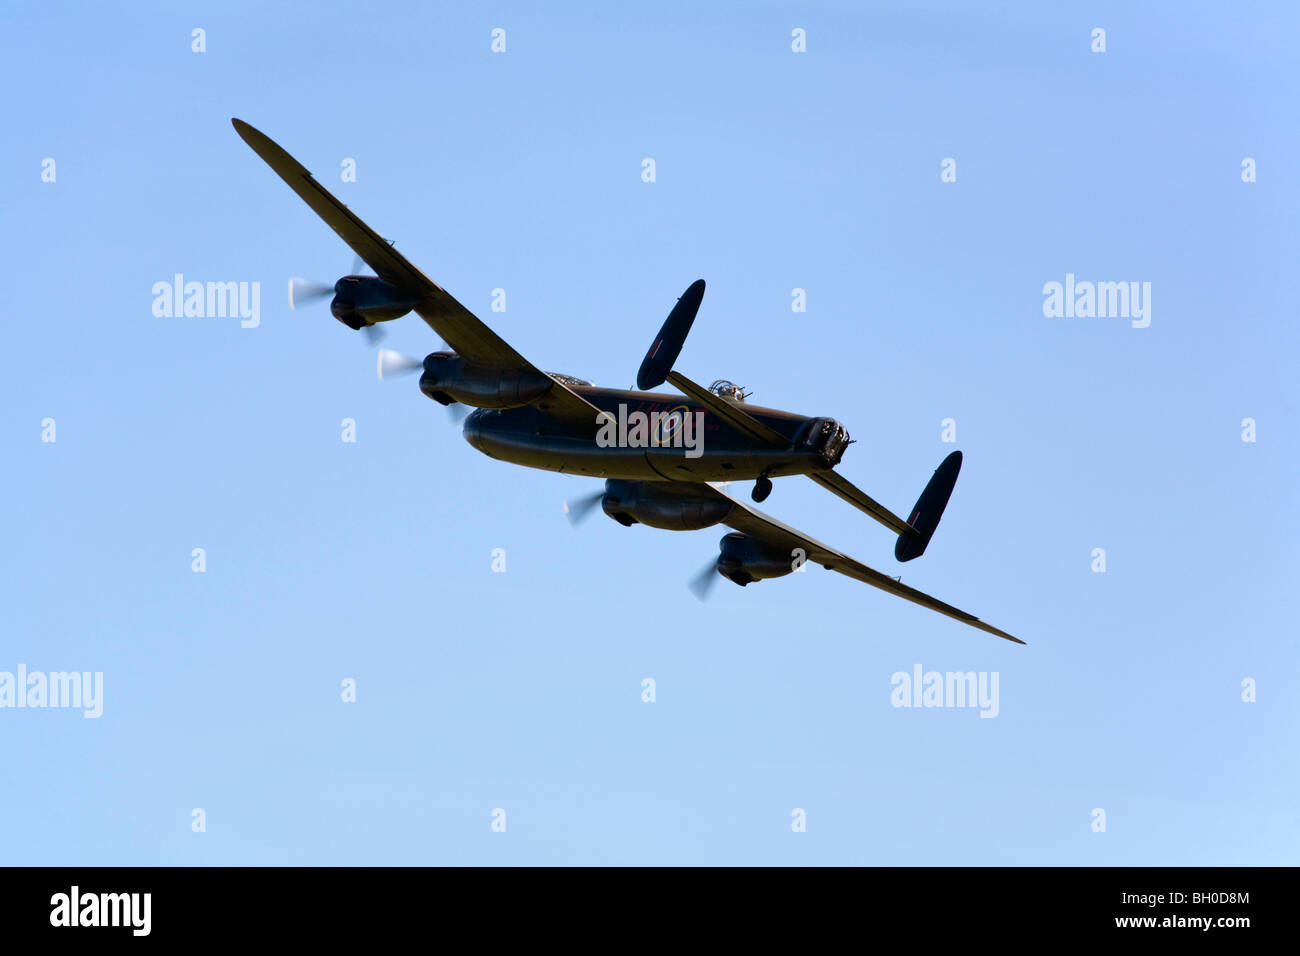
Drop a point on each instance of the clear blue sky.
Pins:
(522, 690)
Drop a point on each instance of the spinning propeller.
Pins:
(395, 364)
(579, 510)
(306, 291)
(702, 584)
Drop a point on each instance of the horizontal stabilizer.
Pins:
(837, 484)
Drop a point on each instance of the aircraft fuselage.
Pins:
(527, 436)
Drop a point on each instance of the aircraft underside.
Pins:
(553, 448)
(664, 456)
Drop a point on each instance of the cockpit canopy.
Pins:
(568, 379)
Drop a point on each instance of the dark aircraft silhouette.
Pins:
(661, 455)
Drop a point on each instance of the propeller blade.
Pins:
(579, 509)
(302, 291)
(359, 264)
(374, 334)
(458, 412)
(395, 363)
(702, 584)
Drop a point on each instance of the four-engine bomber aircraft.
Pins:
(656, 472)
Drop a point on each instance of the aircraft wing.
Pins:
(454, 323)
(770, 531)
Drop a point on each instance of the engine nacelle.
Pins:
(448, 378)
(745, 559)
(661, 505)
(365, 300)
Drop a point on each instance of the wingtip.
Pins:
(995, 631)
